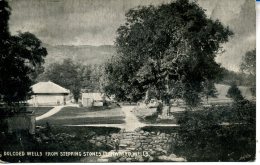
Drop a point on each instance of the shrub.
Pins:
(203, 137)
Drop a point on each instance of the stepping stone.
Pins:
(102, 160)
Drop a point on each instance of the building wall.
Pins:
(38, 100)
(88, 102)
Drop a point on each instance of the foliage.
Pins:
(204, 136)
(209, 89)
(76, 77)
(241, 79)
(67, 74)
(21, 57)
(235, 93)
(248, 66)
(93, 78)
(159, 47)
(5, 12)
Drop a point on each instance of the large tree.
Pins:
(20, 57)
(168, 48)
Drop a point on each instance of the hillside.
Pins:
(85, 54)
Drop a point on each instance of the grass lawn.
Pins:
(78, 116)
(38, 111)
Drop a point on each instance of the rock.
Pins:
(139, 158)
(138, 145)
(166, 147)
(146, 133)
(142, 137)
(145, 146)
(123, 145)
(130, 148)
(113, 159)
(122, 159)
(102, 160)
(152, 152)
(45, 138)
(162, 135)
(101, 138)
(98, 144)
(149, 140)
(150, 159)
(180, 159)
(91, 134)
(170, 140)
(128, 159)
(172, 158)
(92, 141)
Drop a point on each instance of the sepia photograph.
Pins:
(98, 81)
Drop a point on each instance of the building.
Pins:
(93, 99)
(48, 94)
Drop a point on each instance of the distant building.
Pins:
(93, 99)
(48, 93)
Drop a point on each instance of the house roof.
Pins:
(48, 88)
(94, 96)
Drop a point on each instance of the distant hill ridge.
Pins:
(86, 54)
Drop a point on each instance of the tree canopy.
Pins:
(248, 64)
(66, 74)
(169, 48)
(75, 76)
(20, 57)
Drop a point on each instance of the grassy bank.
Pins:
(83, 115)
(38, 111)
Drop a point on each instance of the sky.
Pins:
(94, 22)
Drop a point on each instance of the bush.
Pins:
(152, 118)
(159, 108)
(203, 137)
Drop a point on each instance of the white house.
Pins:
(48, 93)
(93, 99)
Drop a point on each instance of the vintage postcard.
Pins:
(127, 81)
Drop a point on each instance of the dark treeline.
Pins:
(240, 78)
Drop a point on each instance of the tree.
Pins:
(209, 89)
(161, 46)
(5, 12)
(235, 93)
(67, 74)
(20, 56)
(248, 66)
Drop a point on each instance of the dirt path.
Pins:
(131, 121)
(50, 112)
